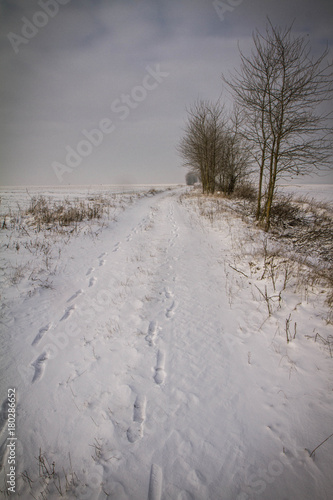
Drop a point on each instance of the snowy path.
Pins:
(138, 373)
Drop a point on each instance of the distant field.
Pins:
(14, 197)
(321, 192)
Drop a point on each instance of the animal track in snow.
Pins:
(76, 294)
(39, 366)
(68, 312)
(152, 332)
(92, 281)
(155, 483)
(90, 270)
(135, 431)
(116, 247)
(41, 334)
(159, 369)
(171, 310)
(101, 258)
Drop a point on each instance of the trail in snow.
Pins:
(135, 371)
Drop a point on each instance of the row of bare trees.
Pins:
(282, 125)
(212, 148)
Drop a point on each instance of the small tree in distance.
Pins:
(211, 149)
(191, 178)
(200, 143)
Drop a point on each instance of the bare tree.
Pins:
(280, 88)
(233, 162)
(212, 148)
(201, 142)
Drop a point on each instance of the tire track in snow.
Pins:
(172, 318)
(157, 375)
(70, 313)
(156, 475)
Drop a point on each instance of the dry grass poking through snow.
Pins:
(296, 253)
(33, 238)
(56, 216)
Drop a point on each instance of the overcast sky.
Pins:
(95, 91)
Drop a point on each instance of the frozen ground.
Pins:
(154, 363)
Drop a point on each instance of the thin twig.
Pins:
(241, 272)
(312, 452)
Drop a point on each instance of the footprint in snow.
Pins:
(171, 310)
(92, 281)
(90, 270)
(39, 366)
(152, 332)
(116, 247)
(76, 294)
(159, 369)
(101, 259)
(155, 483)
(135, 431)
(69, 311)
(41, 334)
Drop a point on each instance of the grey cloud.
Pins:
(92, 52)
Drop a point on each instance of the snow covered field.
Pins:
(154, 357)
(320, 192)
(14, 197)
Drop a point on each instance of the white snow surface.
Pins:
(320, 192)
(152, 370)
